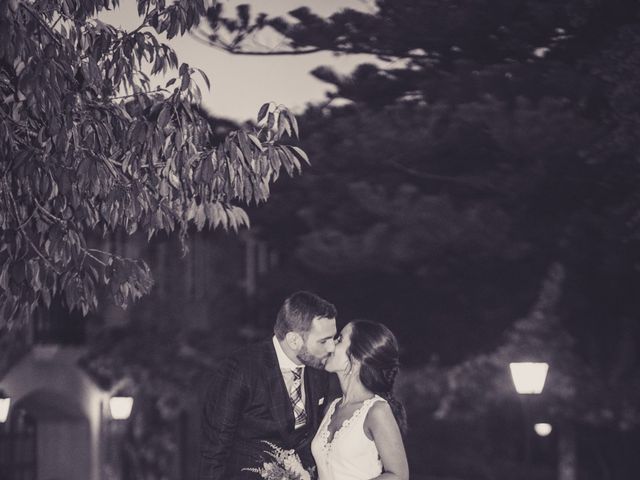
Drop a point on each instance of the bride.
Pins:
(360, 435)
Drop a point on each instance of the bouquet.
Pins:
(286, 465)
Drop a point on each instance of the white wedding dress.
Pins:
(350, 455)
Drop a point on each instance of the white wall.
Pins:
(54, 369)
(64, 451)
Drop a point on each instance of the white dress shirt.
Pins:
(286, 368)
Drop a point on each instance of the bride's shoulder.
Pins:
(379, 412)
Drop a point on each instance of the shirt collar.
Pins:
(285, 362)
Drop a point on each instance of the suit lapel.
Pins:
(312, 393)
(316, 383)
(279, 402)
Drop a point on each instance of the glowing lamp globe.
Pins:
(529, 377)
(4, 408)
(543, 429)
(120, 407)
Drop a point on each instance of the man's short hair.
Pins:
(299, 310)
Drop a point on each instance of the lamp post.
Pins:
(528, 379)
(5, 403)
(120, 407)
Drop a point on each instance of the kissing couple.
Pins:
(329, 397)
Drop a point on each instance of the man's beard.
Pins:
(310, 360)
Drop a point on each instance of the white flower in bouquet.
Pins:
(286, 465)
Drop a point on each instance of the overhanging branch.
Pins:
(440, 178)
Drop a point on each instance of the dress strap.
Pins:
(357, 418)
(368, 403)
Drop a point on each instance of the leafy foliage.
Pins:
(446, 216)
(502, 139)
(89, 145)
(505, 139)
(436, 32)
(134, 357)
(575, 390)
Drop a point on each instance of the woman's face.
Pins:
(339, 361)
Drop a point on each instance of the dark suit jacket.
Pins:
(246, 403)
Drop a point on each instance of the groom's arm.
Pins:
(222, 410)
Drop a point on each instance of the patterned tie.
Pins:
(296, 398)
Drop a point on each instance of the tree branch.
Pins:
(202, 38)
(21, 229)
(48, 213)
(21, 226)
(439, 178)
(236, 51)
(157, 90)
(87, 252)
(8, 117)
(47, 28)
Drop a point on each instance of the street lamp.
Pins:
(543, 429)
(120, 407)
(529, 377)
(5, 402)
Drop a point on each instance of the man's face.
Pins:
(339, 361)
(318, 342)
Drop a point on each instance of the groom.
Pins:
(274, 391)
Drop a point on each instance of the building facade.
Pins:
(60, 426)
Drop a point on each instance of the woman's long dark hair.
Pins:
(376, 348)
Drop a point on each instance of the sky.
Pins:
(241, 84)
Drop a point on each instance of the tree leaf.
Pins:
(264, 109)
(242, 217)
(294, 124)
(185, 81)
(301, 154)
(4, 276)
(165, 115)
(292, 158)
(200, 217)
(244, 145)
(174, 180)
(256, 142)
(205, 78)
